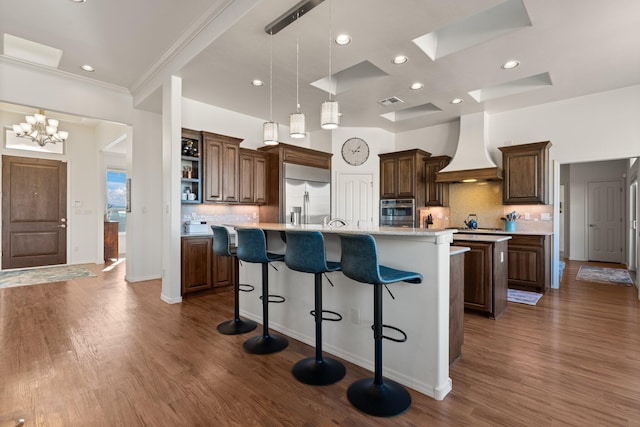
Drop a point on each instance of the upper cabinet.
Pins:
(191, 182)
(222, 164)
(436, 193)
(402, 175)
(253, 177)
(525, 173)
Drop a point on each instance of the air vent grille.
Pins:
(390, 101)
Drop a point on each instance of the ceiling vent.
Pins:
(390, 101)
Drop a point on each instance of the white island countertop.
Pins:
(421, 310)
(488, 238)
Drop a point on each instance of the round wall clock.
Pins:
(355, 151)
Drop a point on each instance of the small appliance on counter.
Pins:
(196, 227)
(472, 221)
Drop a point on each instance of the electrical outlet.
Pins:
(527, 216)
(545, 216)
(355, 315)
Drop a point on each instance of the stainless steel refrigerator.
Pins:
(308, 188)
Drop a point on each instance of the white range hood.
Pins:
(471, 161)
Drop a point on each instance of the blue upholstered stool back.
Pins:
(252, 245)
(360, 262)
(306, 252)
(221, 241)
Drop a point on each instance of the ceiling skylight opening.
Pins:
(416, 86)
(343, 39)
(257, 82)
(400, 59)
(457, 101)
(88, 68)
(509, 65)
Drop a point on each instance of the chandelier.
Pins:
(40, 129)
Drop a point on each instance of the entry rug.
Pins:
(11, 278)
(618, 276)
(523, 297)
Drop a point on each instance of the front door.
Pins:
(34, 212)
(605, 221)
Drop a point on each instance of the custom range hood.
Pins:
(471, 162)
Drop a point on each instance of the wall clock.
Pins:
(355, 151)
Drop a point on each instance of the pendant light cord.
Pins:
(330, 43)
(297, 61)
(271, 76)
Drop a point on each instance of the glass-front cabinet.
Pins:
(191, 167)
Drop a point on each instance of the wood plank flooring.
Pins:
(103, 352)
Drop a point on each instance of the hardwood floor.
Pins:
(103, 352)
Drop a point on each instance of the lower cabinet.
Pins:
(202, 269)
(456, 303)
(485, 276)
(530, 262)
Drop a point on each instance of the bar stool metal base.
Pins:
(237, 326)
(265, 344)
(318, 372)
(384, 400)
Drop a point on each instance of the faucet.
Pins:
(336, 223)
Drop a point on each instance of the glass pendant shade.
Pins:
(270, 133)
(296, 125)
(330, 115)
(40, 129)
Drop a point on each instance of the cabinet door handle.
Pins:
(62, 226)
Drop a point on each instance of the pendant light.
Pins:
(296, 120)
(330, 113)
(270, 128)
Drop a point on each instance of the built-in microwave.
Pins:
(397, 212)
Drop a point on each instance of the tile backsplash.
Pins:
(219, 214)
(485, 200)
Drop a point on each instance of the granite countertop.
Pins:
(517, 232)
(455, 250)
(479, 237)
(349, 229)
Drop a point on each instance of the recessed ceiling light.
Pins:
(456, 101)
(88, 68)
(400, 59)
(78, 1)
(510, 64)
(257, 82)
(416, 86)
(343, 39)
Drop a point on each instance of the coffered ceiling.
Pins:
(566, 48)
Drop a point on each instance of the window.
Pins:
(117, 198)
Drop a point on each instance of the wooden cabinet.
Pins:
(273, 210)
(456, 303)
(110, 240)
(202, 269)
(191, 183)
(253, 175)
(402, 175)
(525, 173)
(222, 164)
(530, 262)
(436, 193)
(197, 258)
(485, 276)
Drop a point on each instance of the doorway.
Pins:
(604, 219)
(34, 212)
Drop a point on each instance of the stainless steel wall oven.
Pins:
(397, 212)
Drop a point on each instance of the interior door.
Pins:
(605, 221)
(34, 212)
(354, 198)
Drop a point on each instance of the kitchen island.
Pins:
(421, 310)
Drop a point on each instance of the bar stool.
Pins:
(221, 247)
(375, 396)
(252, 247)
(306, 253)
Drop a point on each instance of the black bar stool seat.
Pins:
(252, 247)
(221, 247)
(375, 396)
(306, 253)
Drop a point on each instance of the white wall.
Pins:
(438, 140)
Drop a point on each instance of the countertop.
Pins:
(348, 229)
(455, 250)
(523, 233)
(488, 238)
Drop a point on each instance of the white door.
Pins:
(605, 221)
(354, 198)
